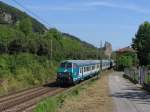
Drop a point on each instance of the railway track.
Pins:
(26, 100)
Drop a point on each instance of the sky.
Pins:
(115, 21)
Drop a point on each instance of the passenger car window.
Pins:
(84, 69)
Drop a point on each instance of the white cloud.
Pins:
(132, 7)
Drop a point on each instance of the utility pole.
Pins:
(51, 57)
(100, 55)
(97, 53)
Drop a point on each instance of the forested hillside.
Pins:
(25, 50)
(16, 16)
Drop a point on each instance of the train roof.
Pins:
(85, 62)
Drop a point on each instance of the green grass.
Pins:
(52, 104)
(48, 105)
(135, 77)
(147, 79)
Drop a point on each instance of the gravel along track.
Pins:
(26, 100)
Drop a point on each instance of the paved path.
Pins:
(127, 97)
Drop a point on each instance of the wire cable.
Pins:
(29, 11)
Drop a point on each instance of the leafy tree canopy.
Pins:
(25, 26)
(141, 43)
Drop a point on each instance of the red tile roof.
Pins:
(126, 49)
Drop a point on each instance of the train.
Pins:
(71, 72)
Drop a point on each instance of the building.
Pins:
(107, 49)
(125, 49)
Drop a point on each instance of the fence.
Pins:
(140, 75)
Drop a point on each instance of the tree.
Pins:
(141, 43)
(124, 61)
(25, 26)
(43, 47)
(18, 45)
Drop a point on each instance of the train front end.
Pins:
(64, 74)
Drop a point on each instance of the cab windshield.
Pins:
(66, 65)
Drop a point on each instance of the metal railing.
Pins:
(139, 75)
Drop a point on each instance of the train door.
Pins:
(81, 72)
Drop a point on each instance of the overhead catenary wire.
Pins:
(35, 15)
(32, 13)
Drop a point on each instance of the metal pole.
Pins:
(100, 55)
(51, 51)
(97, 53)
(100, 59)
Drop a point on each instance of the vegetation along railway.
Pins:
(69, 72)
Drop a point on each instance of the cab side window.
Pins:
(74, 66)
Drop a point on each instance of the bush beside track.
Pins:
(28, 71)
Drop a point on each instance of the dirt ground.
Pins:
(93, 99)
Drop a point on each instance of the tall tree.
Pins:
(25, 26)
(141, 43)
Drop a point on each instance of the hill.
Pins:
(85, 44)
(11, 15)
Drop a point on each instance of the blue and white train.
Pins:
(73, 71)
